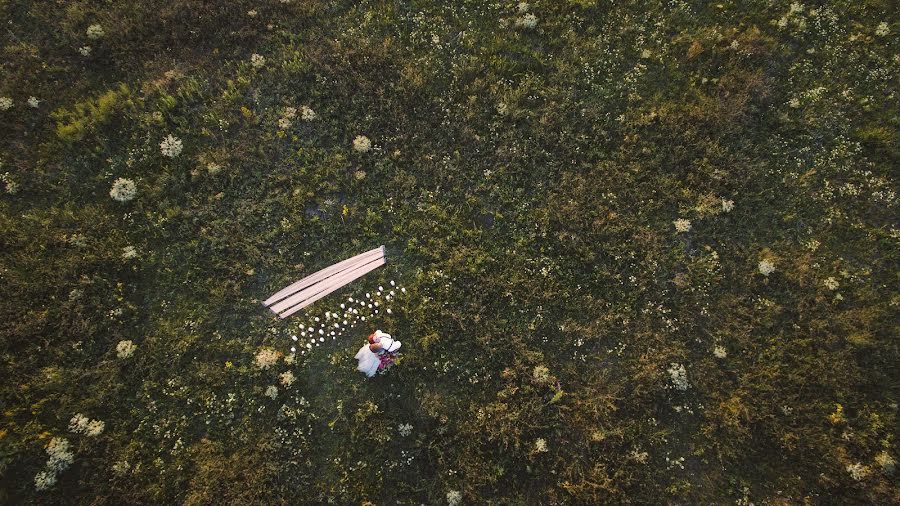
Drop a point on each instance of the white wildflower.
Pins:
(95, 32)
(307, 114)
(272, 391)
(170, 146)
(719, 351)
(60, 456)
(78, 424)
(129, 252)
(639, 456)
(682, 225)
(679, 376)
(540, 445)
(362, 143)
(287, 377)
(523, 7)
(858, 471)
(766, 267)
(95, 428)
(266, 357)
(794, 103)
(257, 60)
(34, 102)
(284, 123)
(289, 112)
(831, 283)
(44, 480)
(252, 13)
(645, 54)
(5, 103)
(84, 50)
(405, 429)
(125, 349)
(540, 374)
(882, 29)
(454, 498)
(527, 21)
(123, 190)
(727, 205)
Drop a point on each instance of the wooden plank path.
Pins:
(300, 294)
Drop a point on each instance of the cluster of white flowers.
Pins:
(129, 252)
(170, 146)
(5, 103)
(125, 349)
(454, 498)
(307, 114)
(528, 19)
(60, 459)
(639, 456)
(284, 123)
(287, 378)
(34, 102)
(252, 13)
(257, 60)
(682, 225)
(858, 471)
(266, 357)
(123, 190)
(882, 29)
(95, 32)
(766, 267)
(11, 185)
(831, 283)
(727, 205)
(405, 429)
(679, 376)
(84, 50)
(272, 391)
(80, 424)
(540, 445)
(719, 351)
(362, 143)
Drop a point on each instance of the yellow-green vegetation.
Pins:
(644, 252)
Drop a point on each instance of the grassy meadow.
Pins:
(639, 252)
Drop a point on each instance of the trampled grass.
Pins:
(638, 252)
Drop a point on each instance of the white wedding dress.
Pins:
(368, 361)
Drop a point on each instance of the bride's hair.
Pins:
(373, 339)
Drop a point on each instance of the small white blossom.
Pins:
(257, 60)
(125, 349)
(78, 424)
(170, 146)
(454, 498)
(5, 103)
(307, 114)
(727, 205)
(44, 480)
(527, 21)
(540, 445)
(287, 377)
(272, 391)
(34, 102)
(831, 283)
(682, 225)
(266, 357)
(679, 376)
(128, 252)
(123, 190)
(362, 143)
(284, 123)
(766, 267)
(794, 103)
(882, 29)
(405, 429)
(252, 13)
(858, 471)
(84, 50)
(95, 428)
(719, 351)
(95, 32)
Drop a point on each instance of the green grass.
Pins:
(525, 182)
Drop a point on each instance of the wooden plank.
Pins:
(323, 274)
(336, 285)
(346, 274)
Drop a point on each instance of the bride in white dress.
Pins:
(371, 354)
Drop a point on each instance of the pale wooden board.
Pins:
(337, 279)
(333, 284)
(323, 274)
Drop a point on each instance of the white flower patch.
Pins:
(540, 445)
(287, 378)
(831, 283)
(170, 146)
(678, 375)
(727, 205)
(125, 349)
(34, 102)
(267, 357)
(271, 392)
(123, 190)
(454, 498)
(882, 29)
(307, 114)
(405, 429)
(362, 143)
(682, 225)
(95, 428)
(719, 352)
(5, 103)
(766, 267)
(858, 471)
(257, 60)
(129, 252)
(95, 32)
(79, 423)
(84, 51)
